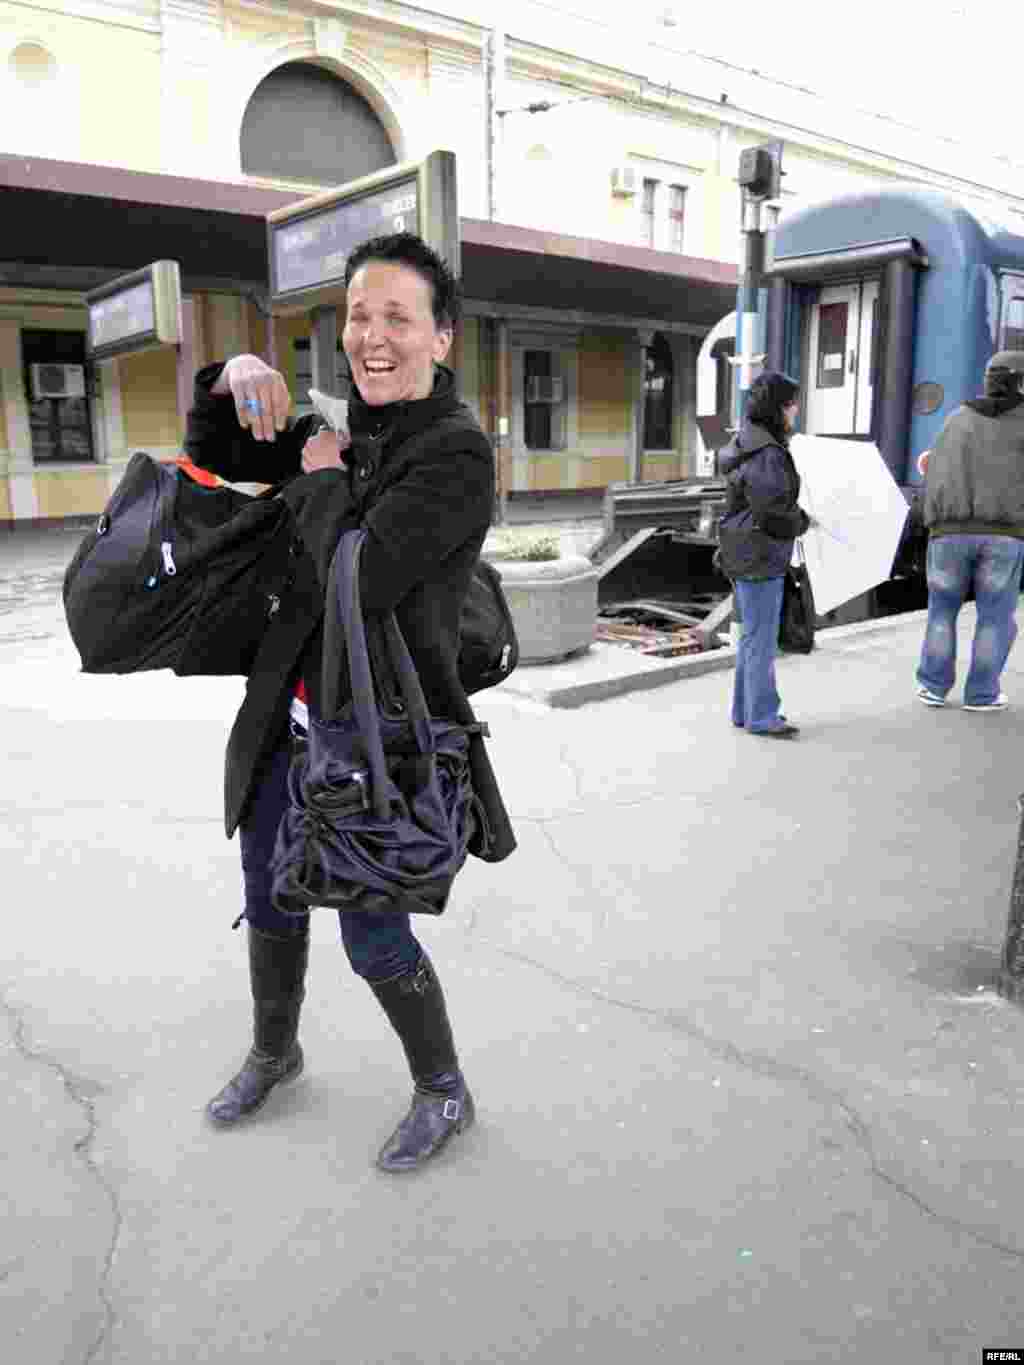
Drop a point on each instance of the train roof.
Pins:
(949, 230)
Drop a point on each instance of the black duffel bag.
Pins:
(178, 575)
(183, 576)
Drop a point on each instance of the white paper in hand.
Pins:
(334, 411)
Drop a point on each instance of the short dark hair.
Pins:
(770, 392)
(405, 248)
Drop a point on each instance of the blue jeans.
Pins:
(993, 565)
(755, 700)
(379, 946)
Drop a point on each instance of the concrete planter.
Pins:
(553, 604)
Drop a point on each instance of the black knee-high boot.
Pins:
(441, 1104)
(277, 972)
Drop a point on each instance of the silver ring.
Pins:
(254, 405)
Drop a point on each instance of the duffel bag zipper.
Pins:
(170, 568)
(165, 512)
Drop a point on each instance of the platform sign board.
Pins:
(135, 312)
(309, 242)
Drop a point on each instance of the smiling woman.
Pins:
(397, 328)
(419, 481)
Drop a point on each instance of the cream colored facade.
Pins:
(162, 86)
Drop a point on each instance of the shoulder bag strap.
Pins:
(343, 621)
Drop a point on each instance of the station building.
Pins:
(599, 217)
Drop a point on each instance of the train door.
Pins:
(840, 370)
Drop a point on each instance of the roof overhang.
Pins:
(74, 226)
(520, 267)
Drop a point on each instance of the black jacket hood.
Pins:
(750, 438)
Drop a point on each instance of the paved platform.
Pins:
(744, 1088)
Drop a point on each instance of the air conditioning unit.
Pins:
(57, 381)
(542, 388)
(625, 180)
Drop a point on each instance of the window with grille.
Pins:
(545, 401)
(59, 428)
(647, 211)
(304, 375)
(676, 216)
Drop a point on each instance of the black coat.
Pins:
(426, 513)
(762, 518)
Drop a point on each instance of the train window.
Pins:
(1013, 324)
(832, 324)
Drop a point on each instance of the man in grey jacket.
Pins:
(974, 511)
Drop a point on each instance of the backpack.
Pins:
(180, 575)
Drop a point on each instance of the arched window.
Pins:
(658, 395)
(302, 123)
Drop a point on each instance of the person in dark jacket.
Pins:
(419, 477)
(756, 537)
(974, 512)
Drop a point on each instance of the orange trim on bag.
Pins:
(196, 474)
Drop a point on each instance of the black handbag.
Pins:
(177, 575)
(380, 801)
(488, 647)
(796, 621)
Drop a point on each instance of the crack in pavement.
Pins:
(601, 915)
(73, 1088)
(575, 770)
(760, 1065)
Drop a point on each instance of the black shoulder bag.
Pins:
(380, 802)
(796, 622)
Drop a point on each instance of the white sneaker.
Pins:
(1000, 704)
(930, 698)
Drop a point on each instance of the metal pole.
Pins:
(270, 349)
(185, 360)
(324, 349)
(747, 298)
(502, 438)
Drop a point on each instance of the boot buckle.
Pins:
(451, 1110)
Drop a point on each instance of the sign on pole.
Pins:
(135, 312)
(308, 243)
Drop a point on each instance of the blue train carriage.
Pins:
(887, 306)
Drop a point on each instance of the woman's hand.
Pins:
(323, 451)
(260, 393)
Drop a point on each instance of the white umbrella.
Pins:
(848, 490)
